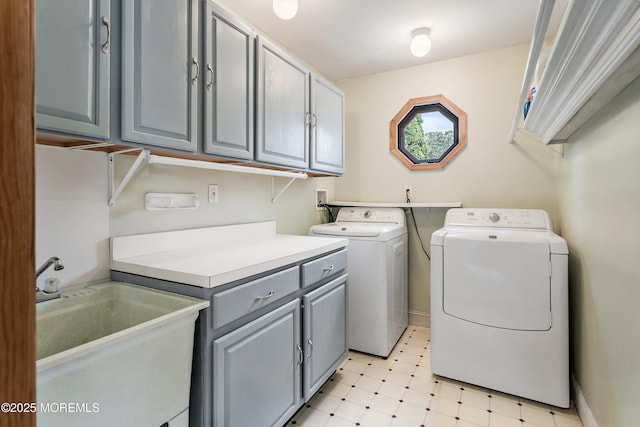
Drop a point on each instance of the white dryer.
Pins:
(377, 267)
(499, 303)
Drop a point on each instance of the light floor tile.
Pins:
(325, 402)
(373, 418)
(474, 415)
(389, 389)
(350, 411)
(338, 422)
(384, 404)
(411, 413)
(402, 391)
(360, 396)
(436, 419)
(536, 416)
(336, 388)
(369, 383)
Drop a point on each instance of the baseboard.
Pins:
(420, 318)
(581, 405)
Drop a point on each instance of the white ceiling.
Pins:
(344, 39)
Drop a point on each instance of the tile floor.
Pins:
(401, 391)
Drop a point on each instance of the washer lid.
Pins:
(498, 279)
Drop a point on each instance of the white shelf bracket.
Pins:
(114, 192)
(275, 196)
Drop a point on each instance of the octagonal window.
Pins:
(428, 132)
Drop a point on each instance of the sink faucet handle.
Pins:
(51, 285)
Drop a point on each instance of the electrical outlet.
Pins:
(321, 198)
(407, 192)
(213, 193)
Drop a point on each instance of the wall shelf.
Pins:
(396, 204)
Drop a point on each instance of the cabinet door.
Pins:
(160, 72)
(325, 333)
(283, 115)
(72, 66)
(257, 370)
(327, 127)
(228, 85)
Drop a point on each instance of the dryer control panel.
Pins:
(379, 215)
(498, 218)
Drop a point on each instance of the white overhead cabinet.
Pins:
(160, 73)
(327, 127)
(228, 85)
(73, 51)
(282, 108)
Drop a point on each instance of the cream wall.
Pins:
(74, 220)
(242, 198)
(489, 172)
(599, 201)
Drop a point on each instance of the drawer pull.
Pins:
(267, 296)
(330, 268)
(105, 46)
(301, 353)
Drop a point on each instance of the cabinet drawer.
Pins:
(236, 302)
(321, 268)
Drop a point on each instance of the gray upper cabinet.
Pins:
(228, 85)
(160, 73)
(327, 127)
(72, 66)
(283, 116)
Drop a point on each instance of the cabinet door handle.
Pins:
(105, 46)
(301, 354)
(195, 79)
(307, 118)
(267, 296)
(211, 80)
(330, 268)
(314, 123)
(310, 348)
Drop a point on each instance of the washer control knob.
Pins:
(494, 217)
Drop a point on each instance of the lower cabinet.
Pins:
(256, 370)
(267, 343)
(325, 333)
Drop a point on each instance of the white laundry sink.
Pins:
(114, 354)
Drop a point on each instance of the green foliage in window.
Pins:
(426, 146)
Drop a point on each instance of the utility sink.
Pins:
(120, 354)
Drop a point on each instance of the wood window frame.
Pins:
(410, 106)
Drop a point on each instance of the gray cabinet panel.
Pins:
(325, 333)
(327, 127)
(238, 301)
(228, 85)
(257, 370)
(72, 70)
(159, 69)
(283, 115)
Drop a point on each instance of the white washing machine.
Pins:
(377, 267)
(499, 303)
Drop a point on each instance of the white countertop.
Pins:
(210, 257)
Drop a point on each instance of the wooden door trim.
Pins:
(17, 211)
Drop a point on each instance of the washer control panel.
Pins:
(498, 218)
(381, 215)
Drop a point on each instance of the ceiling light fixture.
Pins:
(420, 42)
(285, 9)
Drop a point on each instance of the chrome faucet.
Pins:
(55, 261)
(50, 290)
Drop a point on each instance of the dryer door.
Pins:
(498, 279)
